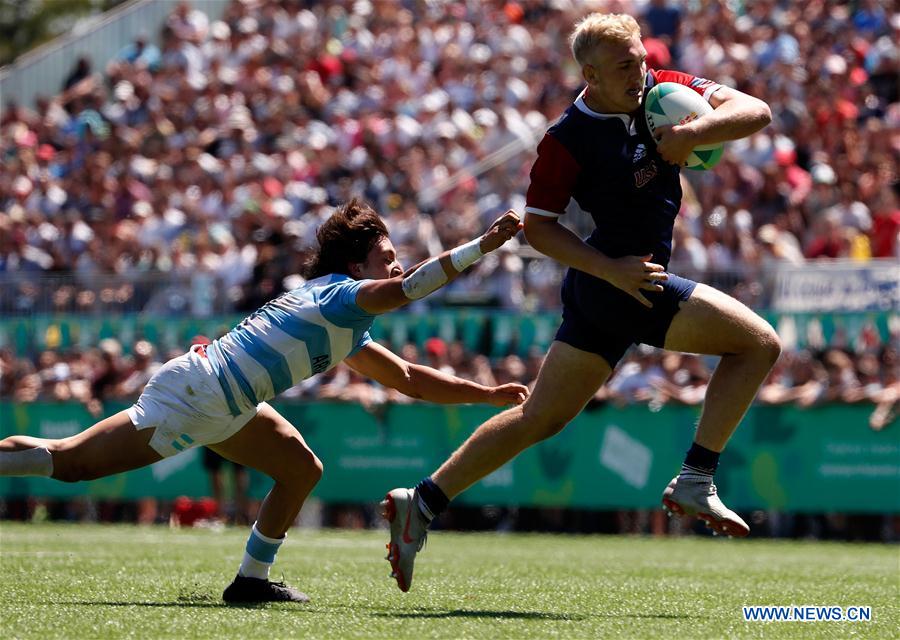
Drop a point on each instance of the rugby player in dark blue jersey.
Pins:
(617, 291)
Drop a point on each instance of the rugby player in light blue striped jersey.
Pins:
(216, 395)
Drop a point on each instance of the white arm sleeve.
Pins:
(466, 255)
(430, 276)
(424, 280)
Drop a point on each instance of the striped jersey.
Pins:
(301, 333)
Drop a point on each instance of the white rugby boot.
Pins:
(688, 497)
(409, 529)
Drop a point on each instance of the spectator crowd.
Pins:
(804, 378)
(201, 159)
(213, 149)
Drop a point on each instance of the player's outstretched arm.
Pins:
(425, 383)
(380, 296)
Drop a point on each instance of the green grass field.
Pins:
(87, 581)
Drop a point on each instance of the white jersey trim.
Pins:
(542, 212)
(582, 106)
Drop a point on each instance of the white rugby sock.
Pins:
(27, 462)
(259, 555)
(693, 474)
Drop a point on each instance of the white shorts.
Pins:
(185, 405)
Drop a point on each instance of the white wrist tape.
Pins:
(424, 280)
(466, 255)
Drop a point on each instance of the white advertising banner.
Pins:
(844, 286)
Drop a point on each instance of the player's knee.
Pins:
(67, 467)
(769, 345)
(301, 467)
(316, 468)
(543, 424)
(310, 465)
(69, 472)
(551, 427)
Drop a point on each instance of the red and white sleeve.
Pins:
(701, 85)
(553, 178)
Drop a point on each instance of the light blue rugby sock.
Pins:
(259, 555)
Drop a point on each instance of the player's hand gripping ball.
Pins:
(670, 103)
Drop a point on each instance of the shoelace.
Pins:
(283, 589)
(280, 585)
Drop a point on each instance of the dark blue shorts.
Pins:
(602, 319)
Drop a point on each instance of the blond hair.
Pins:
(598, 28)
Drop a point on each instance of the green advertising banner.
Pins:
(781, 458)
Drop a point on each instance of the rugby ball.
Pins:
(670, 103)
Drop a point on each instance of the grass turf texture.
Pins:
(90, 581)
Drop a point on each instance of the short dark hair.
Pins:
(346, 237)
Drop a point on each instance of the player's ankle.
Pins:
(259, 555)
(700, 462)
(432, 501)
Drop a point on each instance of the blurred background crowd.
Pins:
(197, 164)
(805, 378)
(215, 148)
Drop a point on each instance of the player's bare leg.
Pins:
(111, 446)
(271, 444)
(714, 323)
(568, 379)
(711, 322)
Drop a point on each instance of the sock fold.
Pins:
(27, 462)
(432, 500)
(700, 462)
